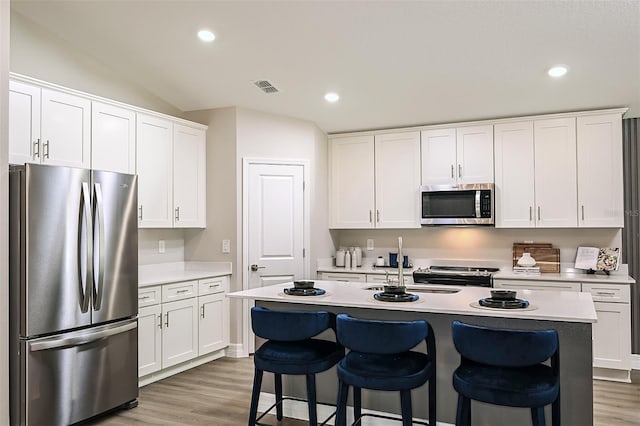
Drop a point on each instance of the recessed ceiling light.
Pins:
(331, 97)
(206, 35)
(557, 70)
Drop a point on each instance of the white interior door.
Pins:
(275, 202)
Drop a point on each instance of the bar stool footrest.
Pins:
(290, 398)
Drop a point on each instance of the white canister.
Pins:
(340, 258)
(347, 259)
(380, 261)
(526, 260)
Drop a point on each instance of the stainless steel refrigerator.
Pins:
(73, 289)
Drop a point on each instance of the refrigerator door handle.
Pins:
(99, 239)
(57, 343)
(87, 276)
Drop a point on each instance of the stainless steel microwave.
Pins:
(465, 204)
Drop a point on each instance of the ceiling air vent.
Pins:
(265, 86)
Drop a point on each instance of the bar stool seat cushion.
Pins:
(407, 370)
(307, 356)
(532, 386)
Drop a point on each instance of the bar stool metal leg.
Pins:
(405, 405)
(537, 416)
(257, 383)
(357, 403)
(277, 379)
(311, 397)
(341, 409)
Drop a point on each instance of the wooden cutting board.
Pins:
(547, 257)
(519, 248)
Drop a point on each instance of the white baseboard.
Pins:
(299, 410)
(236, 350)
(635, 361)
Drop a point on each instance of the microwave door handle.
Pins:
(478, 203)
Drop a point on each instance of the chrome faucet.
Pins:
(400, 264)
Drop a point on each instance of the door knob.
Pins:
(255, 267)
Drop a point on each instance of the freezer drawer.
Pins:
(73, 376)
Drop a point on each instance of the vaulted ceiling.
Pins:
(393, 63)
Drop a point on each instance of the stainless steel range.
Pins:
(455, 275)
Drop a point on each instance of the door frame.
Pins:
(247, 340)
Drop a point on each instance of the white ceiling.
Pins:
(394, 63)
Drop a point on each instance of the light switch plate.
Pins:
(369, 244)
(226, 246)
(160, 246)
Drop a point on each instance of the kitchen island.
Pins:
(570, 313)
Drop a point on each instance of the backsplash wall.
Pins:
(148, 246)
(473, 242)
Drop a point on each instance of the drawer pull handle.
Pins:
(144, 297)
(605, 293)
(166, 323)
(183, 291)
(202, 311)
(214, 286)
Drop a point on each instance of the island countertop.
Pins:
(552, 306)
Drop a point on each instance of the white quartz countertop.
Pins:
(577, 277)
(552, 306)
(163, 273)
(365, 269)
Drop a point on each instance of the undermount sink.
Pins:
(439, 290)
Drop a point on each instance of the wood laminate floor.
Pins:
(218, 394)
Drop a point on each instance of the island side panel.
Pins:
(575, 369)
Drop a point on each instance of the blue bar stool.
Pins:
(290, 349)
(504, 367)
(380, 358)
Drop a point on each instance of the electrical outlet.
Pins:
(226, 246)
(369, 244)
(160, 246)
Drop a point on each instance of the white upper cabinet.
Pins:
(457, 155)
(439, 164)
(352, 185)
(375, 181)
(189, 177)
(600, 174)
(155, 171)
(49, 127)
(24, 123)
(113, 138)
(397, 177)
(555, 172)
(514, 175)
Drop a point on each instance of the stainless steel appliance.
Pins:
(455, 275)
(467, 204)
(73, 284)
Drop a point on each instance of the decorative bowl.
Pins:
(503, 294)
(303, 284)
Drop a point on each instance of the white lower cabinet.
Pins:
(342, 276)
(612, 331)
(181, 325)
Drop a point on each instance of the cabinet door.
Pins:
(113, 138)
(514, 174)
(213, 329)
(474, 154)
(612, 336)
(189, 177)
(66, 129)
(155, 172)
(351, 172)
(24, 123)
(179, 331)
(537, 285)
(438, 155)
(149, 340)
(600, 180)
(555, 165)
(397, 177)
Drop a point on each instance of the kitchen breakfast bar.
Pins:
(571, 314)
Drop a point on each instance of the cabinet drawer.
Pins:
(212, 285)
(179, 291)
(333, 276)
(538, 285)
(608, 292)
(148, 296)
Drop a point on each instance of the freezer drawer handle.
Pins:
(56, 343)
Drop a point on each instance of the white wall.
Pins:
(480, 243)
(39, 54)
(4, 223)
